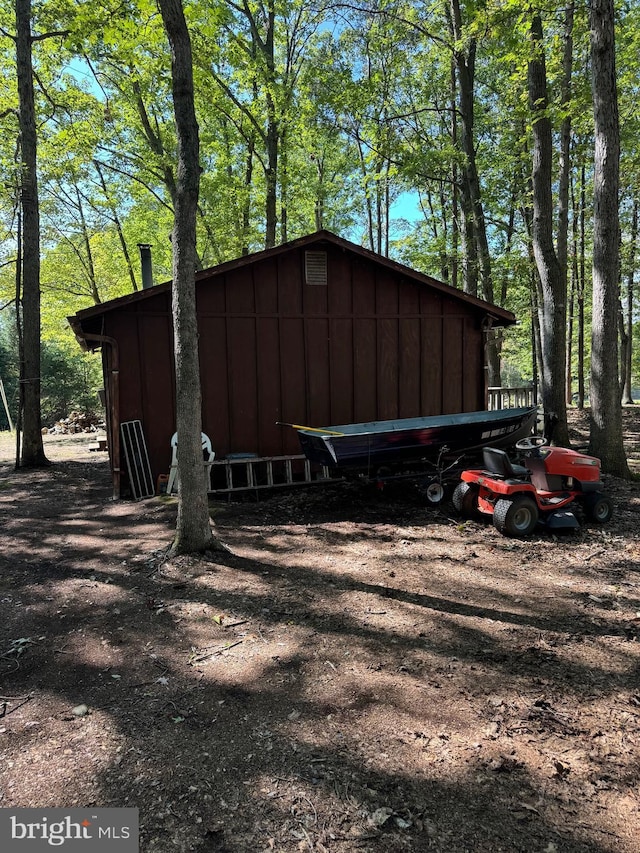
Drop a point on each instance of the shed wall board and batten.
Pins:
(375, 342)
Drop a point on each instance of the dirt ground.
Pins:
(361, 673)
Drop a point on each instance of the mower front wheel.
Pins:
(598, 508)
(465, 500)
(517, 517)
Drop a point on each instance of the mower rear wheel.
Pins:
(598, 508)
(517, 517)
(465, 500)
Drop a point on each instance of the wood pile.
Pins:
(75, 423)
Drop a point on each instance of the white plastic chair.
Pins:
(208, 455)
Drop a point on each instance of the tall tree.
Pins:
(32, 447)
(193, 532)
(605, 438)
(626, 319)
(464, 53)
(553, 286)
(564, 177)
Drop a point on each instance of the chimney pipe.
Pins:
(145, 263)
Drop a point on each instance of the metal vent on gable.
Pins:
(315, 267)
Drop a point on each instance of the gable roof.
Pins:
(499, 316)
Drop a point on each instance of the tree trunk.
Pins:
(570, 324)
(581, 288)
(461, 231)
(248, 183)
(367, 191)
(565, 145)
(605, 439)
(536, 357)
(573, 295)
(626, 362)
(271, 216)
(553, 308)
(193, 532)
(465, 68)
(320, 193)
(469, 249)
(564, 186)
(455, 196)
(283, 170)
(273, 131)
(18, 291)
(116, 221)
(86, 239)
(155, 143)
(32, 447)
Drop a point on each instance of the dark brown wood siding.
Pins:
(369, 345)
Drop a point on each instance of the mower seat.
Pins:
(497, 462)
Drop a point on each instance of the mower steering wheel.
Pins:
(531, 442)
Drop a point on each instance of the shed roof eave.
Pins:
(499, 316)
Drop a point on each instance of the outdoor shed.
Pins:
(317, 331)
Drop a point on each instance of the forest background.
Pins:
(406, 127)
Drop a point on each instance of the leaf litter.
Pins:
(360, 673)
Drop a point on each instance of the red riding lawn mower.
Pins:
(518, 497)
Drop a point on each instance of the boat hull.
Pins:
(368, 446)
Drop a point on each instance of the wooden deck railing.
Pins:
(510, 398)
